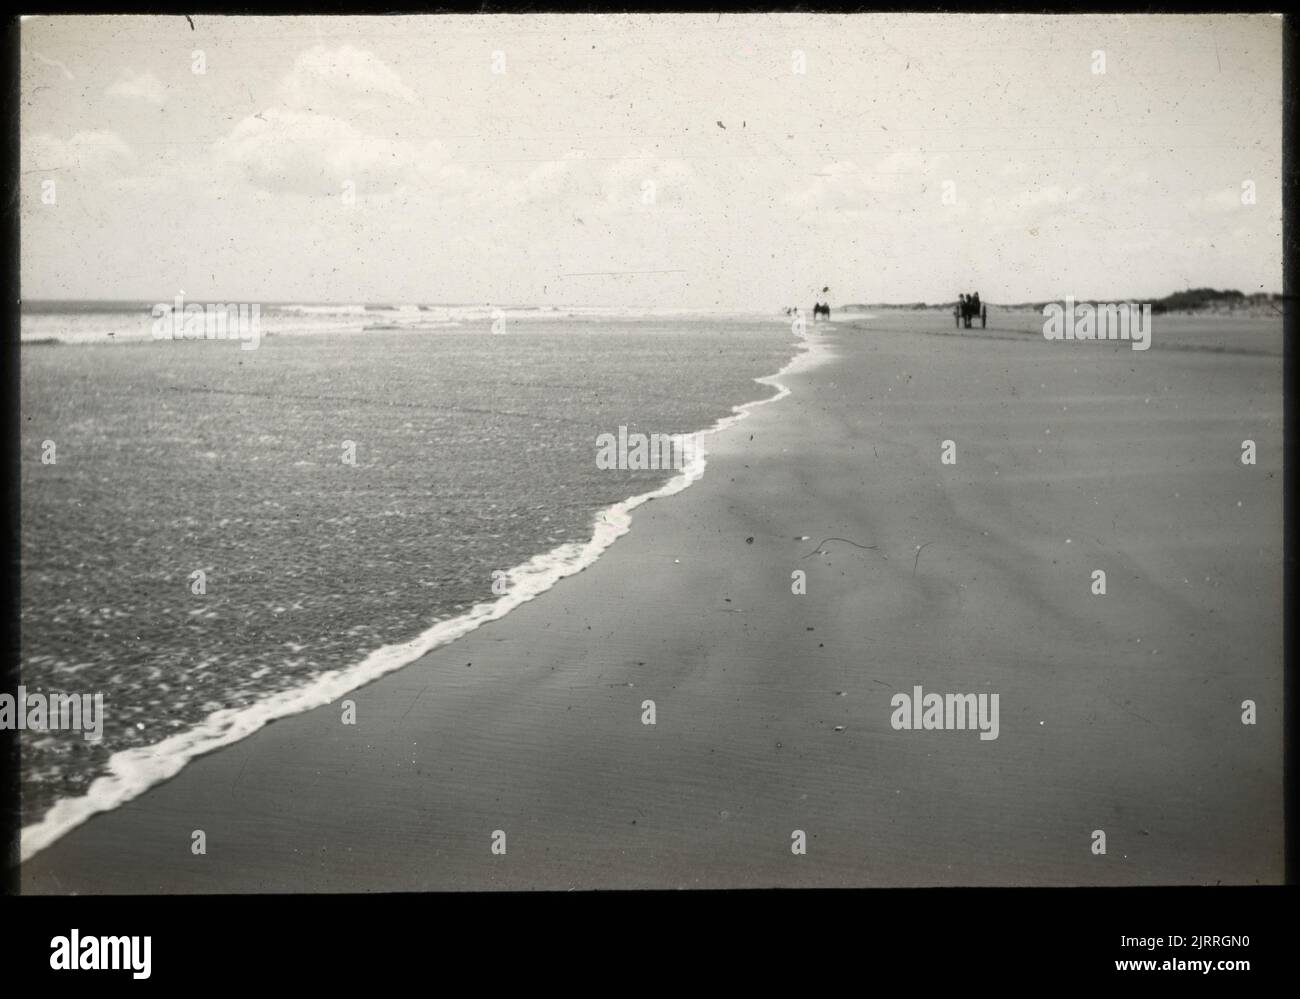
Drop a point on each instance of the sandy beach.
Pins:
(1119, 712)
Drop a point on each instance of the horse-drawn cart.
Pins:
(969, 307)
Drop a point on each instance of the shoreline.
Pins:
(772, 708)
(134, 771)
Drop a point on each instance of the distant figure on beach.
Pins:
(822, 307)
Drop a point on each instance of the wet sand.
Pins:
(1119, 713)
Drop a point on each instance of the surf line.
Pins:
(134, 771)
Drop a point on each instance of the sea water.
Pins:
(203, 551)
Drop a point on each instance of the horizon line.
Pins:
(750, 308)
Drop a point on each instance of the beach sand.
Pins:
(1119, 713)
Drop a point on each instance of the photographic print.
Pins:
(517, 452)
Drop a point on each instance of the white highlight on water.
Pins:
(134, 771)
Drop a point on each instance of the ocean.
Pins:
(213, 537)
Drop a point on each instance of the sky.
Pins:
(673, 161)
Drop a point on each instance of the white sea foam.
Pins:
(82, 327)
(133, 771)
(355, 309)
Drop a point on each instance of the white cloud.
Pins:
(644, 179)
(328, 126)
(1034, 205)
(139, 86)
(342, 79)
(841, 186)
(844, 186)
(566, 179)
(293, 151)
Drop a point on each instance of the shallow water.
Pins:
(473, 453)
